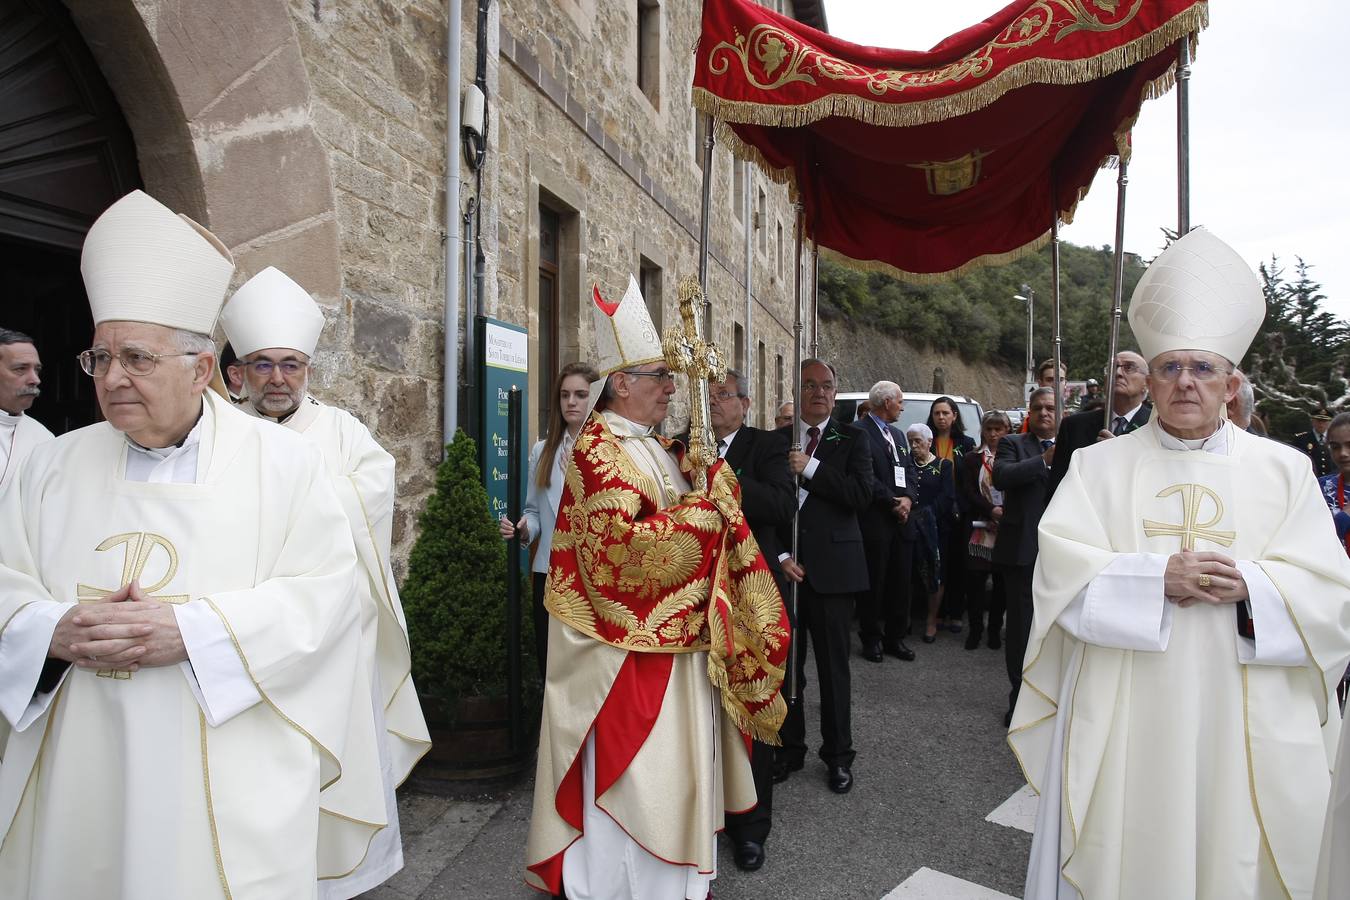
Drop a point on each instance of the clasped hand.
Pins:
(124, 630)
(1203, 577)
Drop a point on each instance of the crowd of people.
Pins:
(1169, 587)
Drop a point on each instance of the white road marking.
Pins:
(927, 884)
(1018, 811)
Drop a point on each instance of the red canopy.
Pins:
(931, 163)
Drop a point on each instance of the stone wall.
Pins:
(863, 356)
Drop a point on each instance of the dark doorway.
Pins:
(65, 155)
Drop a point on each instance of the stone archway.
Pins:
(218, 100)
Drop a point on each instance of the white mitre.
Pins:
(624, 335)
(143, 263)
(271, 310)
(1198, 295)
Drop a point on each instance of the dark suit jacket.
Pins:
(1316, 451)
(829, 544)
(1023, 477)
(877, 521)
(759, 459)
(973, 503)
(1080, 430)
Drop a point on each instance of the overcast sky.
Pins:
(1270, 129)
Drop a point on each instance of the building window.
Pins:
(778, 382)
(649, 50)
(763, 399)
(738, 347)
(550, 237)
(761, 226)
(780, 250)
(738, 189)
(649, 282)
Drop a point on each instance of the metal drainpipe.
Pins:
(749, 308)
(452, 243)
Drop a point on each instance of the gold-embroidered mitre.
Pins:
(143, 263)
(624, 335)
(271, 310)
(1199, 294)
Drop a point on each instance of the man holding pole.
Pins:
(667, 638)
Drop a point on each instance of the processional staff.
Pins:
(688, 352)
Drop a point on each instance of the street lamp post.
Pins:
(1028, 296)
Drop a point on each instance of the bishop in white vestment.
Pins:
(174, 709)
(274, 326)
(1192, 617)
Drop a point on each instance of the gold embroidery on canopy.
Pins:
(139, 544)
(952, 176)
(1191, 529)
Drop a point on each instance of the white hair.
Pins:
(883, 391)
(192, 342)
(921, 430)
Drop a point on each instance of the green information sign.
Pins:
(505, 353)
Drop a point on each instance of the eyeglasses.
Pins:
(1128, 368)
(723, 397)
(263, 367)
(1201, 371)
(660, 375)
(810, 387)
(96, 363)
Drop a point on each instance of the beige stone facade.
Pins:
(310, 135)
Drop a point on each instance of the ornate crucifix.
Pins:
(686, 351)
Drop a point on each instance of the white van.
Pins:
(916, 409)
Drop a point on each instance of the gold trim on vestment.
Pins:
(210, 807)
(1251, 785)
(268, 700)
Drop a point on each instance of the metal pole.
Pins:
(793, 688)
(749, 303)
(513, 623)
(1117, 289)
(815, 298)
(1054, 307)
(1030, 298)
(705, 221)
(450, 314)
(1184, 136)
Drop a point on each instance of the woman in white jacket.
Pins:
(548, 462)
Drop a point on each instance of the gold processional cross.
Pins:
(1191, 529)
(140, 545)
(701, 361)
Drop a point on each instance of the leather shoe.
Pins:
(840, 779)
(900, 651)
(782, 768)
(749, 855)
(871, 651)
(994, 642)
(973, 639)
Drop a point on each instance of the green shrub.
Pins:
(454, 595)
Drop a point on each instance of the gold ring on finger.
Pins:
(1205, 580)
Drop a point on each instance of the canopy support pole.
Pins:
(708, 140)
(1054, 305)
(1184, 136)
(792, 689)
(1117, 289)
(815, 299)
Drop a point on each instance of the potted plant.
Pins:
(454, 599)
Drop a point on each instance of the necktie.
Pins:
(1120, 425)
(722, 448)
(814, 434)
(1047, 444)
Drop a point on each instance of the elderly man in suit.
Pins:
(1129, 411)
(759, 459)
(1022, 471)
(834, 468)
(883, 613)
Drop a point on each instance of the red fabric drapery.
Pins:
(928, 163)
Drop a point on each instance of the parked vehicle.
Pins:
(916, 409)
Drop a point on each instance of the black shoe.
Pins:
(749, 855)
(840, 779)
(900, 651)
(871, 651)
(994, 642)
(929, 638)
(973, 639)
(782, 768)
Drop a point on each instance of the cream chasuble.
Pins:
(18, 436)
(652, 835)
(362, 474)
(172, 782)
(1175, 758)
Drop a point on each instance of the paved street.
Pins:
(932, 765)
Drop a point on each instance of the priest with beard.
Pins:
(1192, 618)
(274, 326)
(667, 638)
(177, 713)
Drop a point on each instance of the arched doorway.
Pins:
(65, 155)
